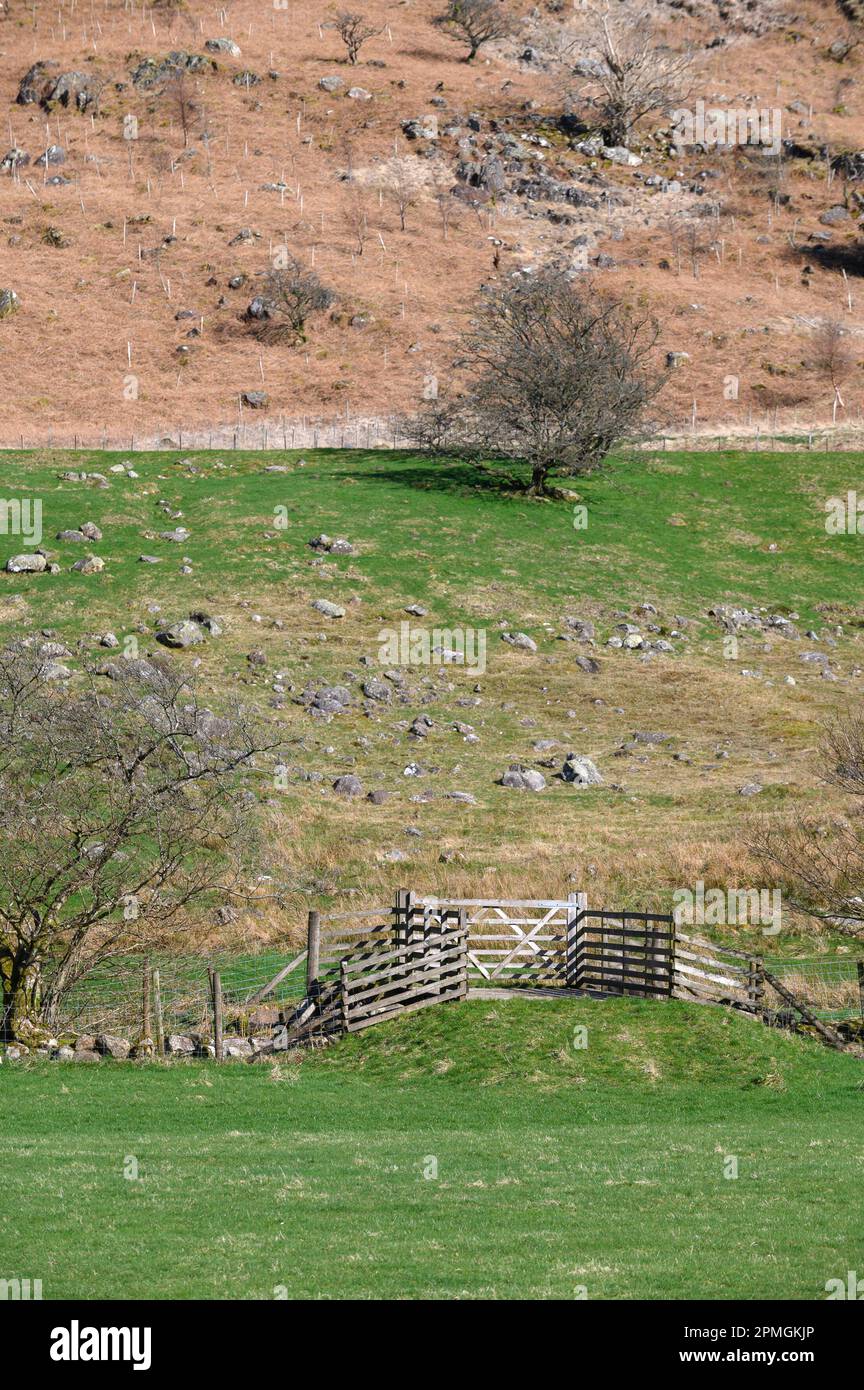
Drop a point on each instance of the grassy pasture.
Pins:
(558, 1169)
(683, 531)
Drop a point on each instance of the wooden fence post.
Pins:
(577, 906)
(159, 1037)
(146, 1019)
(216, 981)
(860, 965)
(343, 992)
(400, 918)
(756, 983)
(313, 951)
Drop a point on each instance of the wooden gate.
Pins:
(514, 941)
(622, 953)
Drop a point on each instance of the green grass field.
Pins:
(684, 531)
(559, 1170)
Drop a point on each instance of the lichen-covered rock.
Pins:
(349, 785)
(26, 564)
(580, 771)
(182, 634)
(9, 303)
(223, 45)
(329, 610)
(523, 779)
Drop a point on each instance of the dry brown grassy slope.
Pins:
(99, 302)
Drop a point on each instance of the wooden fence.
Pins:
(365, 967)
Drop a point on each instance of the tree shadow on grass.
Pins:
(455, 476)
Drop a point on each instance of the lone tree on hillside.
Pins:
(475, 22)
(289, 294)
(818, 861)
(557, 374)
(354, 31)
(118, 809)
(634, 75)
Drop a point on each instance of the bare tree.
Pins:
(634, 76)
(475, 22)
(181, 98)
(401, 179)
(820, 860)
(832, 356)
(688, 236)
(556, 376)
(117, 811)
(289, 295)
(356, 216)
(446, 204)
(354, 31)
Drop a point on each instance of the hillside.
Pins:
(134, 260)
(693, 737)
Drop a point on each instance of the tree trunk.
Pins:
(539, 474)
(22, 998)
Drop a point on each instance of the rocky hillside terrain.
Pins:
(158, 162)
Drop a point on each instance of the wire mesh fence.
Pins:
(121, 996)
(832, 989)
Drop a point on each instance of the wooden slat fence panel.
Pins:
(712, 974)
(624, 953)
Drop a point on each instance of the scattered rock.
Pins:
(835, 214)
(55, 154)
(182, 634)
(520, 640)
(348, 785)
(523, 779)
(26, 564)
(223, 45)
(256, 400)
(377, 690)
(421, 128)
(581, 771)
(16, 158)
(330, 610)
(9, 303)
